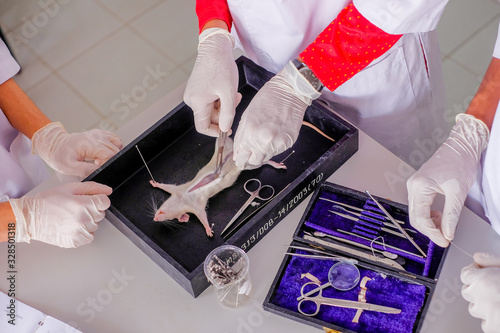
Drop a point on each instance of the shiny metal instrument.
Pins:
(319, 254)
(379, 243)
(386, 261)
(220, 152)
(319, 300)
(358, 209)
(397, 225)
(253, 194)
(386, 254)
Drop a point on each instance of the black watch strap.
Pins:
(308, 74)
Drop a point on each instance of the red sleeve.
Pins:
(212, 9)
(345, 47)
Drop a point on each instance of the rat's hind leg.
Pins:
(201, 214)
(276, 165)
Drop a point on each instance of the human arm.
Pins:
(272, 121)
(64, 152)
(485, 102)
(7, 220)
(212, 88)
(20, 110)
(216, 23)
(77, 154)
(481, 288)
(452, 170)
(65, 216)
(213, 14)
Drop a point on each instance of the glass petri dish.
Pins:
(343, 275)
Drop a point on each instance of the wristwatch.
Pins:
(308, 74)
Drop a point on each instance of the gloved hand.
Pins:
(482, 289)
(65, 216)
(70, 154)
(212, 88)
(271, 123)
(451, 171)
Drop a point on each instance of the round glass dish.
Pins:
(343, 275)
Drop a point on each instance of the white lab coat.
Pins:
(20, 170)
(396, 100)
(484, 197)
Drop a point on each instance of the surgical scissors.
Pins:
(253, 194)
(319, 300)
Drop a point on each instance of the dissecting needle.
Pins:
(357, 209)
(397, 225)
(375, 226)
(386, 254)
(385, 260)
(145, 163)
(379, 243)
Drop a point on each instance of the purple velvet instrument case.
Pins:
(175, 152)
(347, 223)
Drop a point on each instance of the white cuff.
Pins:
(22, 234)
(214, 31)
(46, 129)
(471, 126)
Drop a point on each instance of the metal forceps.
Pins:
(253, 194)
(220, 152)
(319, 300)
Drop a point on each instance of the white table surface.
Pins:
(111, 286)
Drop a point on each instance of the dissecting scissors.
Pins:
(319, 300)
(253, 194)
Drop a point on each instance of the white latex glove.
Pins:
(271, 123)
(77, 154)
(64, 216)
(451, 171)
(482, 289)
(212, 88)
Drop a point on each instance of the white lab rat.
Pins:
(192, 197)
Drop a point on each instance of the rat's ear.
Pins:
(183, 218)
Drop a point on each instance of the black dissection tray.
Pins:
(175, 152)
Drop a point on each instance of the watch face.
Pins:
(313, 80)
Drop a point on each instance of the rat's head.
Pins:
(174, 208)
(164, 215)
